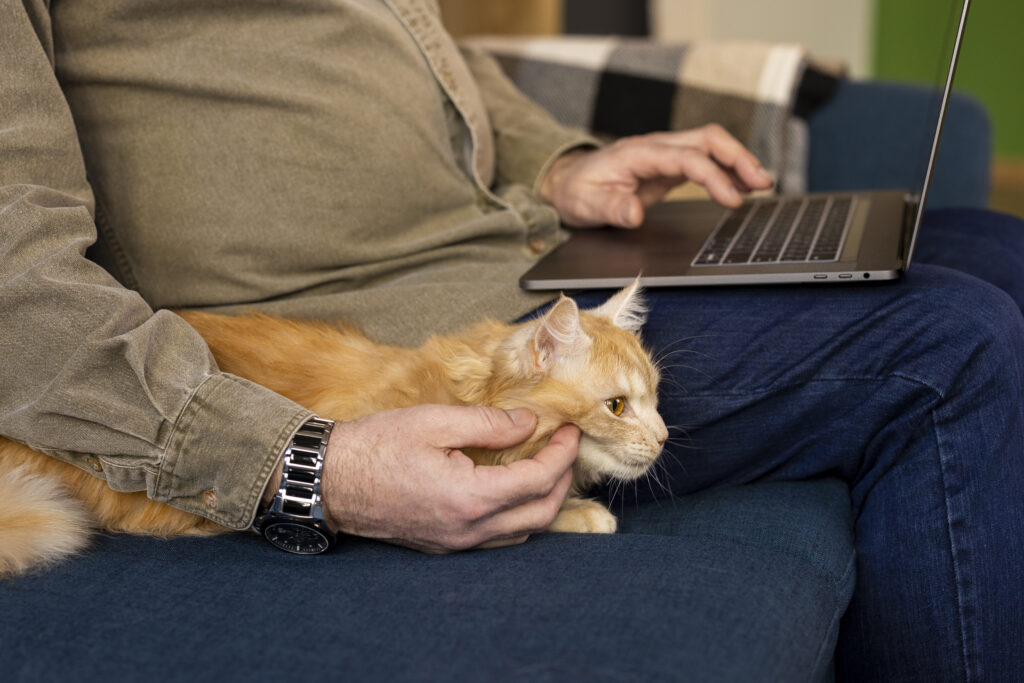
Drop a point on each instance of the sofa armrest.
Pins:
(878, 135)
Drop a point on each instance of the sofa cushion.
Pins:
(741, 584)
(875, 136)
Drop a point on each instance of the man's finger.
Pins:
(719, 144)
(530, 517)
(448, 427)
(532, 478)
(730, 153)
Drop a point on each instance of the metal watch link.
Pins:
(294, 521)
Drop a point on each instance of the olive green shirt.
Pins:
(310, 158)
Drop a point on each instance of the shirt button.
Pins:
(538, 245)
(210, 498)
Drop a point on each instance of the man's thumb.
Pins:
(630, 212)
(484, 427)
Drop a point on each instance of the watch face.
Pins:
(296, 538)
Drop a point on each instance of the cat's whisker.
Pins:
(682, 340)
(682, 429)
(673, 458)
(675, 383)
(622, 499)
(662, 369)
(650, 485)
(659, 362)
(663, 466)
(653, 478)
(661, 359)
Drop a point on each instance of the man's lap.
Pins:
(790, 382)
(910, 391)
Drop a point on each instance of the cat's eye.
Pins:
(616, 405)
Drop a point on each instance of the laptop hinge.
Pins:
(911, 205)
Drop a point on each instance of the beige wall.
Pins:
(840, 29)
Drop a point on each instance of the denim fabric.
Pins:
(740, 585)
(908, 390)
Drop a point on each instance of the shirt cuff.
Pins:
(226, 443)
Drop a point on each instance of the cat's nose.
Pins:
(662, 436)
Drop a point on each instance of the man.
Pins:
(195, 211)
(346, 161)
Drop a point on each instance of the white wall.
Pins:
(839, 29)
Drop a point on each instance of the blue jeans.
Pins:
(911, 391)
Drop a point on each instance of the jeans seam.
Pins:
(824, 650)
(954, 555)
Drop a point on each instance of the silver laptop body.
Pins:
(826, 237)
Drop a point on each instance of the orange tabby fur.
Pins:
(562, 366)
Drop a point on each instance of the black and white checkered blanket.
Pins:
(613, 87)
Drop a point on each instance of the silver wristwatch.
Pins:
(295, 519)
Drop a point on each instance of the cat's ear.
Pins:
(626, 309)
(558, 334)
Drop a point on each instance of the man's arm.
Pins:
(88, 368)
(592, 185)
(527, 139)
(615, 184)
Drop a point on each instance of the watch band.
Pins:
(295, 519)
(303, 469)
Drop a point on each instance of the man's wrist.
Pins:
(294, 520)
(556, 171)
(273, 484)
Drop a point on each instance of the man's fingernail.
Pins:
(520, 416)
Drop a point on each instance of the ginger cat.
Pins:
(568, 366)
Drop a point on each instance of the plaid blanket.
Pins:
(613, 87)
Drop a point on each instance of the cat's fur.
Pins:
(564, 366)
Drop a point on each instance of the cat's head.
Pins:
(589, 367)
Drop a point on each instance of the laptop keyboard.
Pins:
(811, 229)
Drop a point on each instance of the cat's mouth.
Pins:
(632, 468)
(605, 462)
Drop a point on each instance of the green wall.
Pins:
(910, 35)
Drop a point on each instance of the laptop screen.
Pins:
(938, 118)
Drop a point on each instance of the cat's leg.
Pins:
(584, 516)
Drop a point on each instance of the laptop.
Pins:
(817, 237)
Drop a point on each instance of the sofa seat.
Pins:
(741, 584)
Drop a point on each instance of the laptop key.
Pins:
(717, 245)
(831, 237)
(743, 248)
(803, 235)
(773, 242)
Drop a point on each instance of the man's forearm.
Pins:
(89, 369)
(527, 138)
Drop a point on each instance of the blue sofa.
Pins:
(741, 584)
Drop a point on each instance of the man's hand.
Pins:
(399, 476)
(613, 185)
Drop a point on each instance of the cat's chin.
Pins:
(599, 464)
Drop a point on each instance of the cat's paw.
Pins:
(584, 517)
